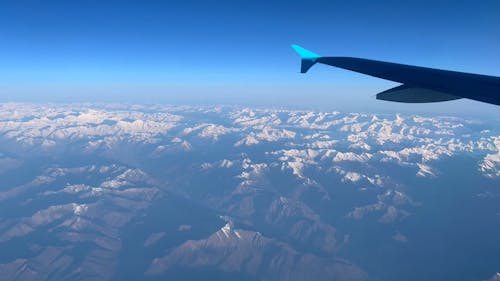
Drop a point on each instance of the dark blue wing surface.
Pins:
(420, 84)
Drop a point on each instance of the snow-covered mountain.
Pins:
(117, 192)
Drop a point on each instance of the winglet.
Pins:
(308, 58)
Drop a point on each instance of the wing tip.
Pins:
(304, 53)
(308, 58)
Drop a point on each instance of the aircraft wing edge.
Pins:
(411, 94)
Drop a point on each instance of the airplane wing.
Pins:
(419, 84)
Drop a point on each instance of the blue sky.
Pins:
(235, 51)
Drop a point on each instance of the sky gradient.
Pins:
(235, 51)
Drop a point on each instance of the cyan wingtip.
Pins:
(308, 58)
(304, 53)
